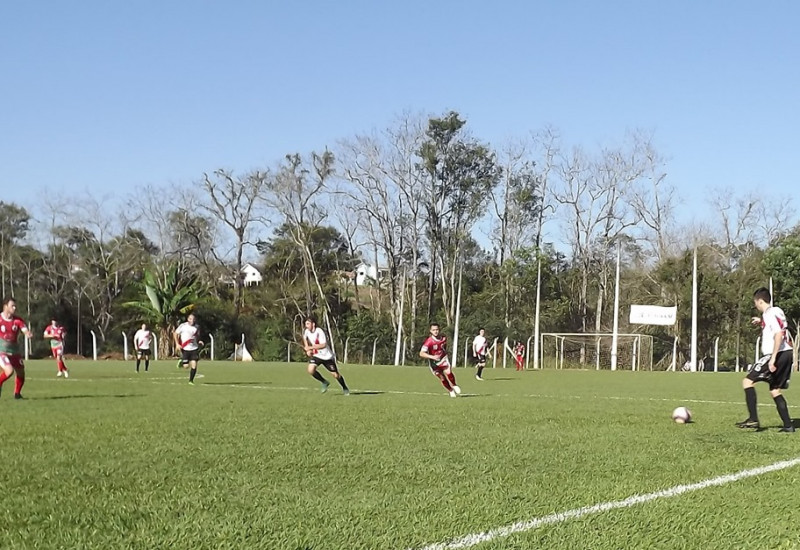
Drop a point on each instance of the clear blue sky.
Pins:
(103, 95)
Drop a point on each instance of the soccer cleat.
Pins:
(478, 378)
(345, 392)
(453, 394)
(787, 429)
(66, 374)
(18, 396)
(58, 375)
(748, 423)
(457, 390)
(191, 383)
(325, 386)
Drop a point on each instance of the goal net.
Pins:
(593, 351)
(240, 353)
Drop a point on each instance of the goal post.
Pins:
(564, 350)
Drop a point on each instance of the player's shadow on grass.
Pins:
(796, 423)
(366, 392)
(237, 383)
(83, 396)
(499, 379)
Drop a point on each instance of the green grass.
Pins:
(254, 456)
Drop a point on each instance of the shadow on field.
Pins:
(498, 379)
(366, 392)
(237, 383)
(83, 396)
(796, 422)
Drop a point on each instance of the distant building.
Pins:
(370, 275)
(251, 275)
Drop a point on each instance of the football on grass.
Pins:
(682, 415)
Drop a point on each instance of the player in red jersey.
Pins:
(56, 334)
(434, 349)
(519, 355)
(10, 357)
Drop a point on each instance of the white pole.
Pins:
(466, 352)
(458, 317)
(124, 345)
(615, 332)
(405, 342)
(694, 314)
(562, 352)
(494, 354)
(674, 354)
(536, 364)
(633, 358)
(374, 349)
(505, 347)
(758, 348)
(597, 355)
(288, 353)
(400, 321)
(27, 344)
(155, 347)
(528, 353)
(771, 297)
(211, 340)
(716, 354)
(94, 345)
(346, 345)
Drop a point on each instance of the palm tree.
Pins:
(170, 296)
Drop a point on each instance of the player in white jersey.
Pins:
(187, 338)
(479, 345)
(142, 341)
(319, 353)
(775, 365)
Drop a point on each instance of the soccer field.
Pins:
(254, 456)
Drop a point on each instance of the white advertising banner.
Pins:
(653, 315)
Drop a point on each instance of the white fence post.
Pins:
(94, 345)
(346, 345)
(716, 354)
(374, 349)
(505, 349)
(211, 340)
(528, 353)
(466, 351)
(404, 352)
(124, 345)
(27, 344)
(494, 353)
(289, 352)
(155, 347)
(633, 358)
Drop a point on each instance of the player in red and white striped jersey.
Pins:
(56, 333)
(434, 349)
(10, 356)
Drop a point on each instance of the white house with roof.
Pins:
(251, 275)
(367, 274)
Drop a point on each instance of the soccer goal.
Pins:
(593, 351)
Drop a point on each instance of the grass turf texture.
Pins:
(254, 456)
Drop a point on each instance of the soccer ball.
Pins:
(682, 415)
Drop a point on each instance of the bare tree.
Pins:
(235, 202)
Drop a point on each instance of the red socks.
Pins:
(3, 377)
(19, 381)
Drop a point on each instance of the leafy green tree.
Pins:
(168, 296)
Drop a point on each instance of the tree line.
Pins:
(433, 205)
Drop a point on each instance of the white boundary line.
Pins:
(173, 379)
(468, 541)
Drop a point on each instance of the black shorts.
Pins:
(143, 352)
(480, 359)
(329, 364)
(187, 356)
(778, 380)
